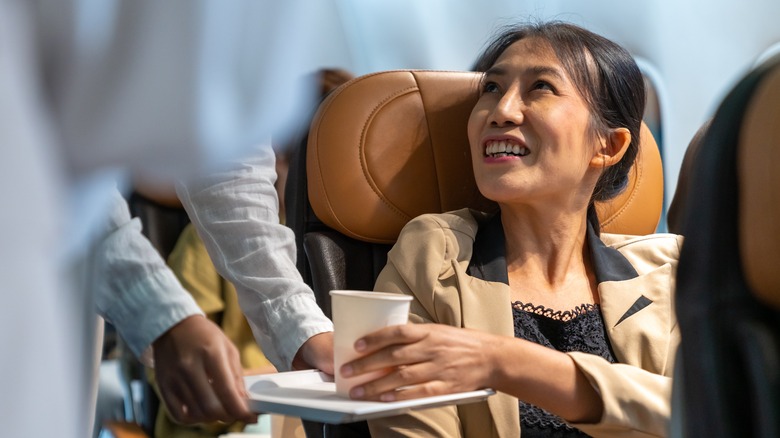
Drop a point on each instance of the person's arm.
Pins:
(439, 359)
(236, 214)
(583, 389)
(197, 367)
(129, 275)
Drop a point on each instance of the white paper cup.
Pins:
(356, 314)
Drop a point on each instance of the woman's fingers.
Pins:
(419, 379)
(424, 360)
(390, 347)
(393, 335)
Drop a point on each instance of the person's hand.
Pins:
(316, 352)
(425, 359)
(199, 374)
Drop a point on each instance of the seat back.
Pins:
(728, 286)
(674, 218)
(387, 147)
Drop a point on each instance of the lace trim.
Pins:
(536, 422)
(557, 315)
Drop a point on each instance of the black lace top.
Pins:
(581, 329)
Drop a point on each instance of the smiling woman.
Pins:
(575, 326)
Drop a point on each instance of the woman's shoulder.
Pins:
(447, 235)
(655, 249)
(463, 222)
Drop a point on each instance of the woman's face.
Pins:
(531, 135)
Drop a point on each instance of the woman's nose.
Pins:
(509, 110)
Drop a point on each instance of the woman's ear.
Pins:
(612, 150)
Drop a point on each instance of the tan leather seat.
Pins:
(759, 191)
(387, 147)
(674, 217)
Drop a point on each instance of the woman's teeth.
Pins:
(503, 148)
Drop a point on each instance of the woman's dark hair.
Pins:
(604, 73)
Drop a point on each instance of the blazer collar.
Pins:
(632, 305)
(488, 261)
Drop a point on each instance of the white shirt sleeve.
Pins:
(236, 214)
(134, 288)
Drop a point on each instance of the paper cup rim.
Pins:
(371, 295)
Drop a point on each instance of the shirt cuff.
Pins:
(148, 308)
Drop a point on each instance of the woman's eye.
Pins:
(490, 87)
(543, 85)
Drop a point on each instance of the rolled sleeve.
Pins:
(235, 212)
(134, 288)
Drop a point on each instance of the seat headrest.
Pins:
(675, 214)
(759, 189)
(389, 146)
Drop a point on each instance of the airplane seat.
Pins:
(161, 213)
(674, 217)
(728, 285)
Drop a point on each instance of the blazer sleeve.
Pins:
(415, 264)
(636, 401)
(637, 398)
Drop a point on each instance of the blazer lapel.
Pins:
(636, 308)
(486, 306)
(637, 314)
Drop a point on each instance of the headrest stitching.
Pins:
(361, 149)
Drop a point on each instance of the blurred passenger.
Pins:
(236, 213)
(573, 328)
(217, 296)
(91, 89)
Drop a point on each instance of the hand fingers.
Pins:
(175, 406)
(397, 334)
(389, 357)
(402, 383)
(182, 404)
(391, 347)
(227, 383)
(203, 402)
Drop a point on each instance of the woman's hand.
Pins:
(426, 360)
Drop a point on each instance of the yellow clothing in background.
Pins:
(217, 297)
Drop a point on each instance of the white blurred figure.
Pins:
(91, 89)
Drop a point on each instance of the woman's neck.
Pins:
(547, 259)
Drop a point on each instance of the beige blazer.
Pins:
(431, 261)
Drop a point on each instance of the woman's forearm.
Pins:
(544, 377)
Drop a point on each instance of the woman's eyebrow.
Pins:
(540, 70)
(535, 70)
(495, 71)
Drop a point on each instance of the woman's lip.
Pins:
(505, 158)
